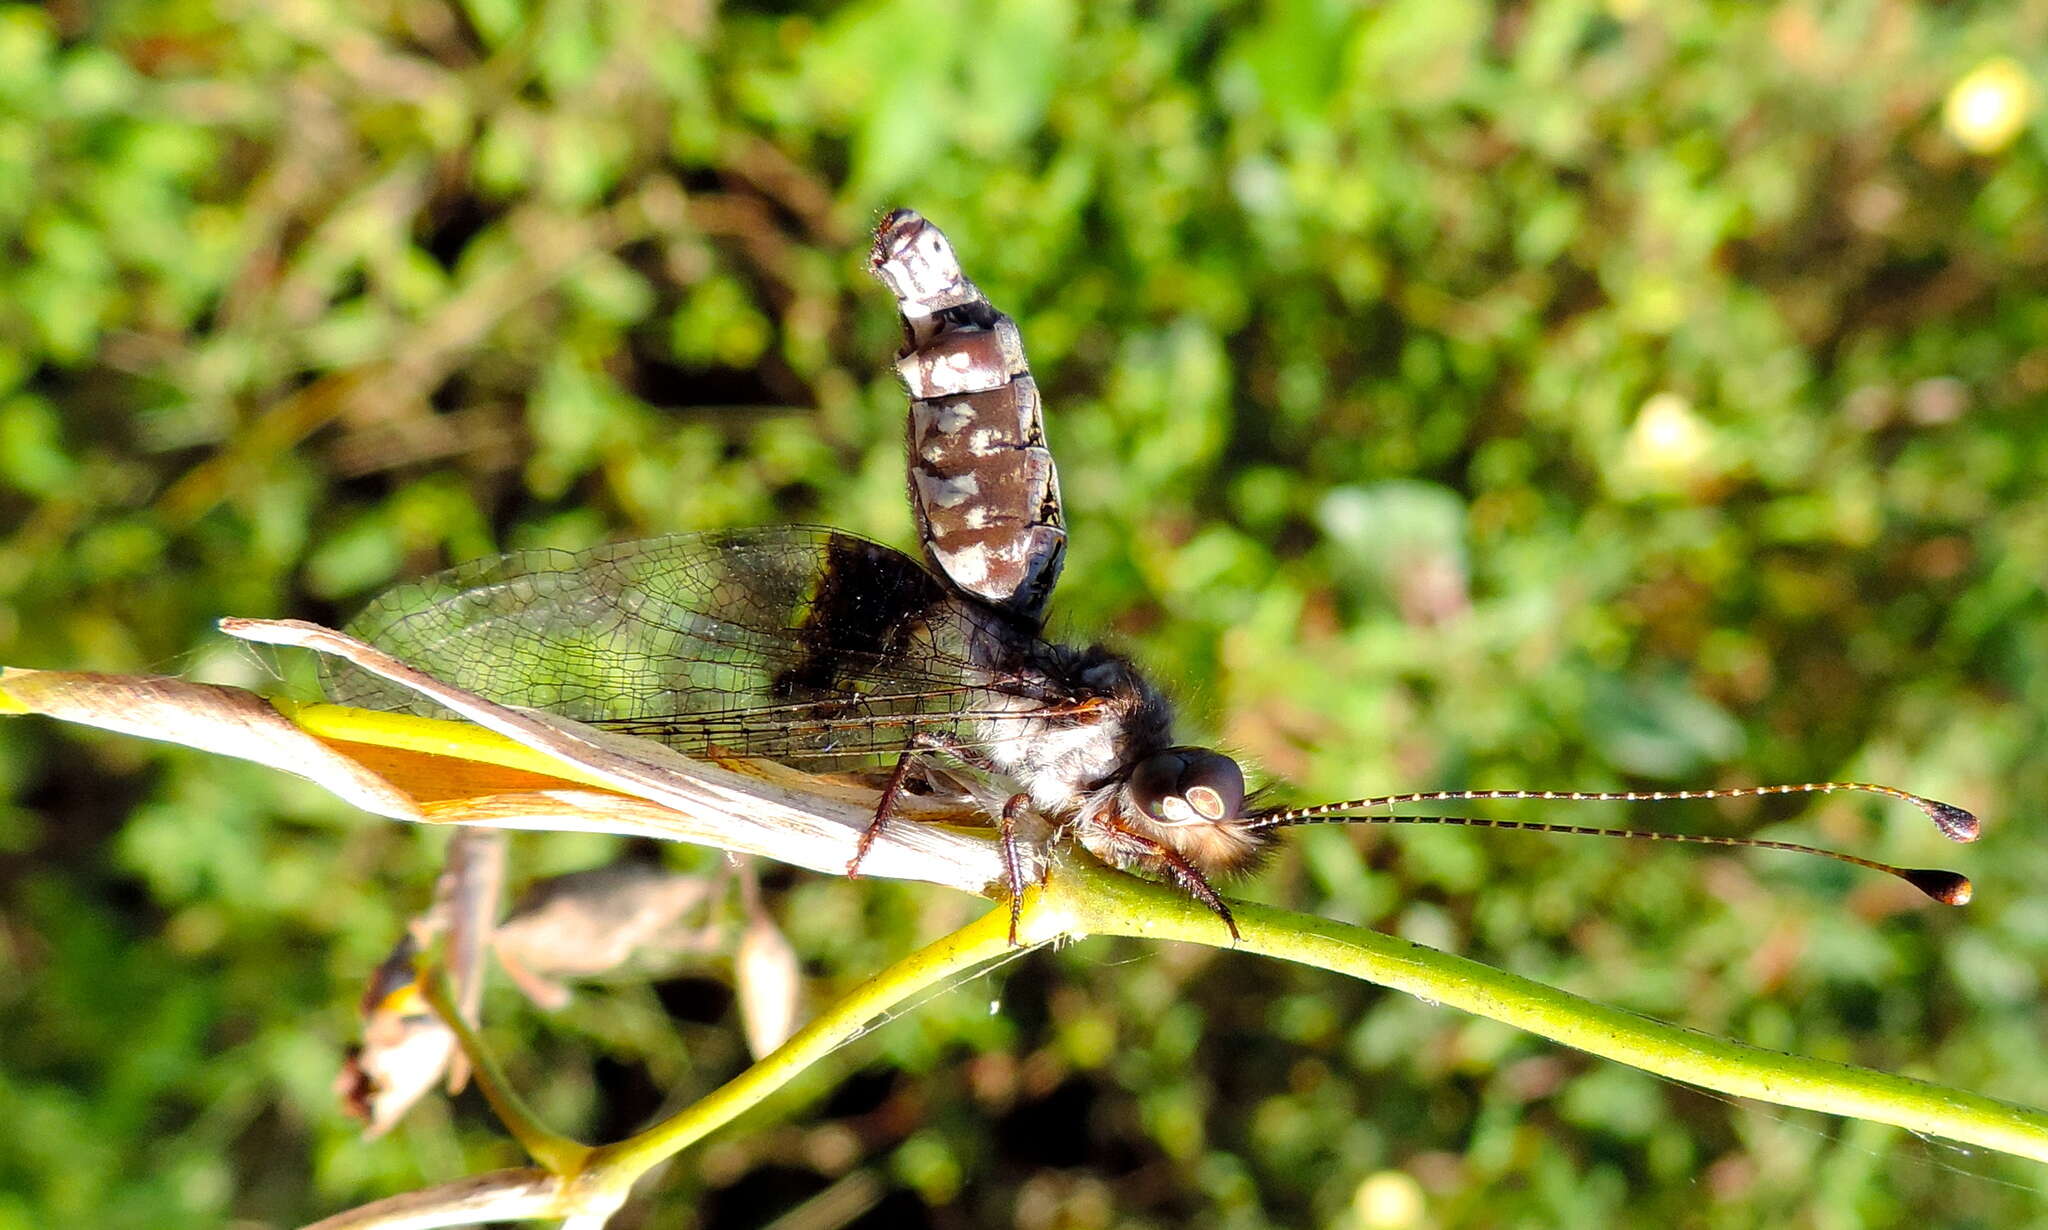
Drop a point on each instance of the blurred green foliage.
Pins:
(1446, 395)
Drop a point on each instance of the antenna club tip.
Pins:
(1954, 823)
(1946, 887)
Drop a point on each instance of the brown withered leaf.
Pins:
(630, 918)
(405, 1046)
(226, 721)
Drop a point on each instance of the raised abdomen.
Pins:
(982, 485)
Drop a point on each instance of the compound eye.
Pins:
(1212, 784)
(1154, 781)
(1183, 785)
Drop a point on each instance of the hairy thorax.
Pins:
(1061, 759)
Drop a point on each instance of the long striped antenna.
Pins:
(1947, 887)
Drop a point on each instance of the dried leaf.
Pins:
(405, 1047)
(708, 804)
(466, 901)
(769, 982)
(622, 918)
(523, 769)
(496, 1195)
(227, 721)
(395, 1063)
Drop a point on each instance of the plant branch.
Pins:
(1083, 899)
(617, 1166)
(558, 1153)
(498, 1195)
(1104, 902)
(1079, 898)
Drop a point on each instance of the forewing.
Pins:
(803, 645)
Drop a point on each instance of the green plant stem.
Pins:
(1102, 902)
(1083, 899)
(558, 1153)
(617, 1166)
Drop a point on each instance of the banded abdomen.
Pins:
(982, 485)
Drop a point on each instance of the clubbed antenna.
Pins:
(1947, 887)
(1954, 823)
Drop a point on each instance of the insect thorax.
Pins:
(1068, 756)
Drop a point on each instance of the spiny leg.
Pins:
(1184, 874)
(1013, 869)
(921, 743)
(883, 807)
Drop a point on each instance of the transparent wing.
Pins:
(807, 646)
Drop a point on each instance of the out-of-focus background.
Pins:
(1551, 394)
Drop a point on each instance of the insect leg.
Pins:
(1181, 872)
(883, 807)
(933, 741)
(922, 743)
(1012, 868)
